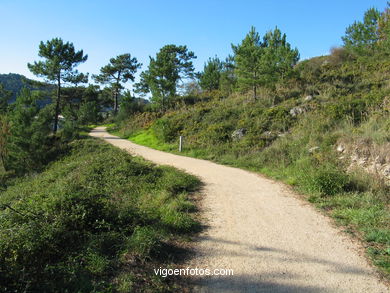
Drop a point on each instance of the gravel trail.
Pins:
(273, 241)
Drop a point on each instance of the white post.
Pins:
(180, 143)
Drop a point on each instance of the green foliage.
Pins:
(278, 58)
(246, 57)
(5, 97)
(60, 60)
(120, 70)
(166, 129)
(14, 83)
(129, 106)
(171, 64)
(293, 135)
(88, 113)
(28, 144)
(325, 181)
(362, 35)
(144, 241)
(209, 79)
(78, 224)
(263, 63)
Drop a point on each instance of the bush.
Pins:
(326, 181)
(70, 226)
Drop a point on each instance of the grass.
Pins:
(349, 106)
(361, 212)
(147, 138)
(97, 220)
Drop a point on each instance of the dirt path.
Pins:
(273, 241)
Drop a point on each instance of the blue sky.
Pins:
(104, 29)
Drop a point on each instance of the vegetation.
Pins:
(172, 63)
(81, 215)
(261, 64)
(96, 220)
(321, 125)
(14, 83)
(118, 71)
(60, 59)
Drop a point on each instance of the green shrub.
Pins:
(144, 242)
(69, 226)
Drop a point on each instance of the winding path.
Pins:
(273, 241)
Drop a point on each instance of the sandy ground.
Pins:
(273, 241)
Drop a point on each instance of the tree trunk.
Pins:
(254, 86)
(55, 127)
(115, 102)
(116, 94)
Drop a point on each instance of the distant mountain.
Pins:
(16, 82)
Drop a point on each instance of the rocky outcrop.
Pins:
(373, 159)
(238, 134)
(297, 111)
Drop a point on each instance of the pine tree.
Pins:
(5, 96)
(209, 79)
(28, 141)
(120, 70)
(263, 63)
(171, 64)
(58, 66)
(246, 57)
(363, 35)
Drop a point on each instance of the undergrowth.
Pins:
(97, 220)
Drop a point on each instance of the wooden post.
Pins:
(180, 143)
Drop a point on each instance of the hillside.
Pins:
(325, 131)
(96, 220)
(16, 82)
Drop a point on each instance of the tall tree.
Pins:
(171, 64)
(246, 57)
(209, 79)
(58, 66)
(120, 70)
(5, 96)
(277, 58)
(228, 78)
(361, 35)
(28, 145)
(263, 63)
(4, 135)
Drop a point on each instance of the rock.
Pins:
(361, 161)
(314, 149)
(386, 171)
(308, 98)
(238, 134)
(296, 111)
(354, 157)
(340, 148)
(268, 134)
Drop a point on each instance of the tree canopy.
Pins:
(171, 64)
(120, 70)
(263, 63)
(363, 34)
(58, 66)
(209, 79)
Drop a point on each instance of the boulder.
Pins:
(340, 148)
(296, 111)
(238, 134)
(314, 149)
